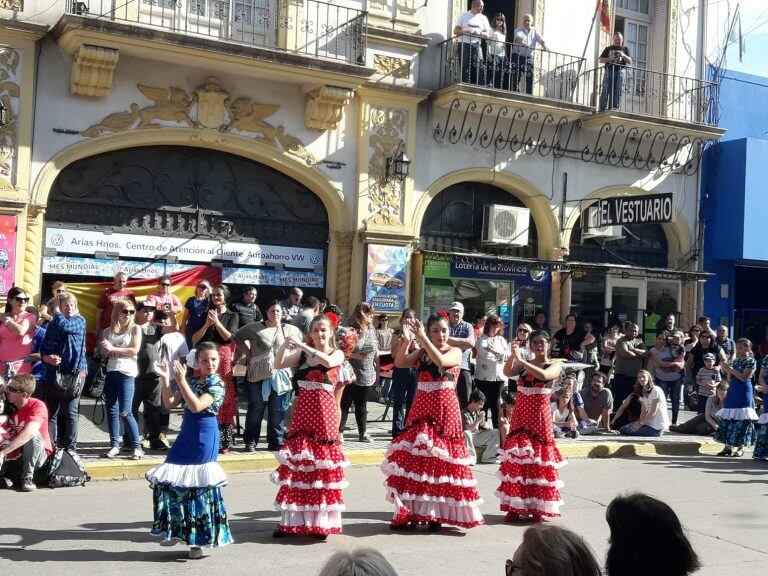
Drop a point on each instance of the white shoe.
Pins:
(195, 553)
(138, 454)
(112, 453)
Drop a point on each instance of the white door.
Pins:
(625, 300)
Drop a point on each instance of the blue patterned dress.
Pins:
(187, 487)
(738, 416)
(761, 442)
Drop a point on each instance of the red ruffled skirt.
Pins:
(530, 483)
(311, 471)
(427, 467)
(228, 410)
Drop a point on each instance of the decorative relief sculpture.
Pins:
(16, 5)
(325, 107)
(9, 96)
(209, 109)
(392, 66)
(388, 129)
(92, 70)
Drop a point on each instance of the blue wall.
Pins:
(742, 105)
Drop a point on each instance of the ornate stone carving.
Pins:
(9, 96)
(92, 70)
(33, 249)
(388, 130)
(344, 243)
(209, 109)
(17, 5)
(392, 66)
(325, 107)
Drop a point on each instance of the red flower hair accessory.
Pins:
(442, 313)
(334, 319)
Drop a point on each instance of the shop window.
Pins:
(453, 221)
(588, 297)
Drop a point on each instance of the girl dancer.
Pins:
(311, 471)
(529, 457)
(761, 442)
(738, 416)
(187, 487)
(427, 466)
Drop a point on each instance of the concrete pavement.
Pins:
(102, 529)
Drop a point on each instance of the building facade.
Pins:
(359, 148)
(733, 206)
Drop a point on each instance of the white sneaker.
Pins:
(195, 553)
(112, 453)
(138, 454)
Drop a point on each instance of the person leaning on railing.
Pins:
(616, 58)
(527, 38)
(471, 28)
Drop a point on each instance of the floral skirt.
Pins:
(196, 516)
(761, 439)
(738, 433)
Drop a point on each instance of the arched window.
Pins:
(453, 221)
(640, 245)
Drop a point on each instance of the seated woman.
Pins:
(705, 424)
(653, 419)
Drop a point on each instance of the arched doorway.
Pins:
(606, 296)
(461, 265)
(257, 218)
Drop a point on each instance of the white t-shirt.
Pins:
(475, 23)
(173, 346)
(526, 41)
(660, 421)
(496, 46)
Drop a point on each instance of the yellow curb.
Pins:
(266, 461)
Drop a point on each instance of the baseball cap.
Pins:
(145, 304)
(457, 306)
(709, 356)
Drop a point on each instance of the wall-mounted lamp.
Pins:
(398, 165)
(3, 115)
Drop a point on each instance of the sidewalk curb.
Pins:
(266, 461)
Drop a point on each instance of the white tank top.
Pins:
(125, 364)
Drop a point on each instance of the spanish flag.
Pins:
(604, 9)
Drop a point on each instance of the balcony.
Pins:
(638, 97)
(505, 74)
(322, 39)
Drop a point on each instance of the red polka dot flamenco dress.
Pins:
(529, 458)
(427, 467)
(311, 471)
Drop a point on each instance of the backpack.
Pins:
(65, 468)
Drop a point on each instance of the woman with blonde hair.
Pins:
(653, 420)
(364, 361)
(120, 345)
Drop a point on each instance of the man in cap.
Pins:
(292, 305)
(462, 336)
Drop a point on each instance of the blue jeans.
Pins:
(471, 62)
(276, 407)
(64, 414)
(404, 386)
(522, 65)
(672, 390)
(642, 431)
(118, 395)
(613, 84)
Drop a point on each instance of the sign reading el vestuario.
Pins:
(72, 241)
(622, 210)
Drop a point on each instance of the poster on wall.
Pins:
(7, 252)
(385, 277)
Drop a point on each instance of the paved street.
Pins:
(102, 529)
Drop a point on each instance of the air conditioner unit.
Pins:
(593, 229)
(506, 225)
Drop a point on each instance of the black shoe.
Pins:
(249, 447)
(434, 526)
(278, 533)
(157, 446)
(725, 452)
(274, 447)
(321, 537)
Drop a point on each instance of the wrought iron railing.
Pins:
(307, 27)
(650, 93)
(508, 67)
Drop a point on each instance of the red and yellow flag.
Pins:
(604, 9)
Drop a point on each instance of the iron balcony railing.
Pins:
(308, 27)
(641, 91)
(508, 67)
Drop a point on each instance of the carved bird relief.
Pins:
(117, 122)
(249, 117)
(171, 105)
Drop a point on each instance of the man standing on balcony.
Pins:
(527, 38)
(471, 28)
(615, 57)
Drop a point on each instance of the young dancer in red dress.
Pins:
(529, 458)
(428, 475)
(311, 471)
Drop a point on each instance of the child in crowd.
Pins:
(505, 414)
(478, 432)
(707, 379)
(563, 414)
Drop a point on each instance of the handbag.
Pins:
(262, 365)
(70, 385)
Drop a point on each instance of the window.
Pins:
(633, 5)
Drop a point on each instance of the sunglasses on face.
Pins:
(13, 389)
(165, 284)
(523, 330)
(510, 568)
(199, 287)
(128, 312)
(21, 299)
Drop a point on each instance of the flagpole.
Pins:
(591, 27)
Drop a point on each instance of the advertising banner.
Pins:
(385, 277)
(71, 241)
(264, 277)
(523, 274)
(78, 266)
(7, 252)
(653, 209)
